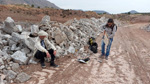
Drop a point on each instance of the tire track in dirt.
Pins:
(133, 40)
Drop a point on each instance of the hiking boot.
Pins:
(106, 58)
(43, 65)
(54, 65)
(101, 56)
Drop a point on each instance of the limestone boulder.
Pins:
(59, 36)
(19, 57)
(34, 30)
(9, 25)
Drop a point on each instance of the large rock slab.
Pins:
(9, 25)
(19, 57)
(45, 23)
(45, 20)
(59, 36)
(34, 29)
(16, 37)
(23, 77)
(69, 33)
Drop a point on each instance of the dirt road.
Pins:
(129, 63)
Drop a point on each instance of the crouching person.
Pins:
(45, 49)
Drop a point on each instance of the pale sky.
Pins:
(111, 6)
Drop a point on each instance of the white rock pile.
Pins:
(16, 47)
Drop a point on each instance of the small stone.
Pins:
(33, 61)
(19, 28)
(71, 50)
(13, 47)
(2, 77)
(2, 67)
(15, 67)
(25, 50)
(9, 68)
(4, 42)
(1, 61)
(11, 74)
(23, 77)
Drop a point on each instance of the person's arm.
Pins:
(40, 48)
(104, 34)
(104, 31)
(51, 45)
(113, 32)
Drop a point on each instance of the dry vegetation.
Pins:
(27, 13)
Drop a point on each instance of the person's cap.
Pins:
(42, 33)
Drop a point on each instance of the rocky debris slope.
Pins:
(16, 47)
(148, 28)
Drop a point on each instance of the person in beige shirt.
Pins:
(43, 48)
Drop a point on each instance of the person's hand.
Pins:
(55, 52)
(48, 55)
(104, 32)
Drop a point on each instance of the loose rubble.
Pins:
(148, 28)
(16, 47)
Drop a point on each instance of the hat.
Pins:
(42, 33)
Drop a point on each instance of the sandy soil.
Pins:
(129, 63)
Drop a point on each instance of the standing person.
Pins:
(44, 49)
(109, 32)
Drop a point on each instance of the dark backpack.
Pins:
(93, 45)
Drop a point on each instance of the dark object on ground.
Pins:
(92, 44)
(54, 65)
(33, 35)
(106, 58)
(93, 47)
(41, 55)
(84, 60)
(43, 65)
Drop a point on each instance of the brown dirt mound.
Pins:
(26, 13)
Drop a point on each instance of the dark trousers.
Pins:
(40, 55)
